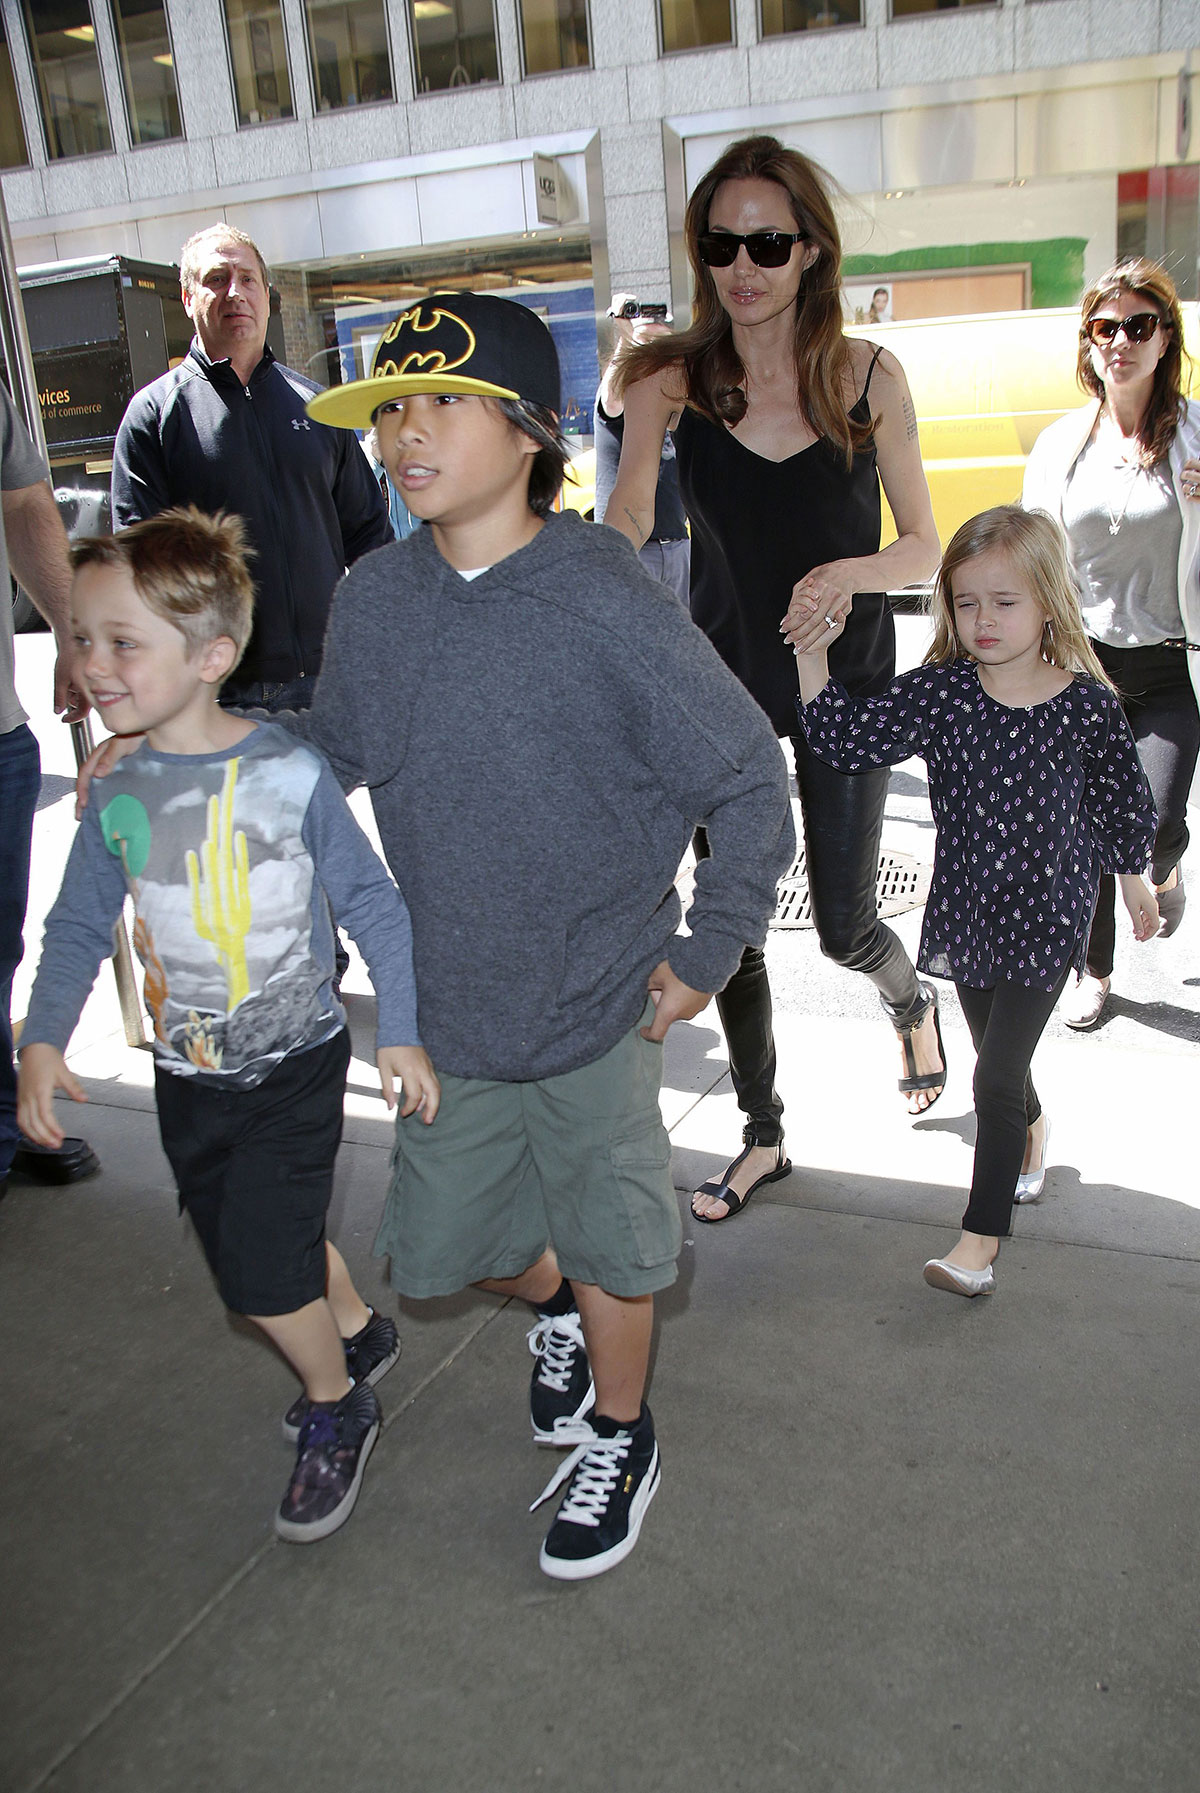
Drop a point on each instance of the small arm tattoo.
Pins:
(633, 518)
(910, 419)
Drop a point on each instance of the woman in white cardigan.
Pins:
(1123, 478)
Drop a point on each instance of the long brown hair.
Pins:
(1037, 547)
(1139, 278)
(712, 369)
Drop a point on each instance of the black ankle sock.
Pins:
(561, 1302)
(604, 1427)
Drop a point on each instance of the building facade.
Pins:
(994, 154)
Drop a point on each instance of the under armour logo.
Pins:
(301, 423)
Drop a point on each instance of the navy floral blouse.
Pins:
(1031, 806)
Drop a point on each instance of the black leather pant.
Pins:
(843, 820)
(1159, 702)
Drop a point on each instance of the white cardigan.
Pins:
(1050, 461)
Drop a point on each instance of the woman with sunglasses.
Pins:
(1123, 477)
(784, 428)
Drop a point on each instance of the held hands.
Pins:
(820, 605)
(1139, 899)
(43, 1071)
(410, 1066)
(673, 1001)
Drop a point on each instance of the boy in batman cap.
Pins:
(541, 729)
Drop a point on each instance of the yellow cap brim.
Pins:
(351, 407)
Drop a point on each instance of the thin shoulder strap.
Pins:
(867, 383)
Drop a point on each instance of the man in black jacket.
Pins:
(227, 430)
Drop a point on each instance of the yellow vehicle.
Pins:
(984, 388)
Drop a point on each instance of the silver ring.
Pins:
(829, 623)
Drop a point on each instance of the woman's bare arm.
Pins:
(652, 406)
(829, 590)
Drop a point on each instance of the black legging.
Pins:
(1159, 701)
(843, 820)
(1006, 1023)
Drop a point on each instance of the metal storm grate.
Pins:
(900, 883)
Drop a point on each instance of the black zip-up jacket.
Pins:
(196, 435)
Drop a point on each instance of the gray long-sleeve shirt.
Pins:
(539, 743)
(233, 860)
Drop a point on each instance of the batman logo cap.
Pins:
(474, 343)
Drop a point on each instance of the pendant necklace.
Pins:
(1116, 518)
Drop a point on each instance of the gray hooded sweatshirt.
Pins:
(539, 743)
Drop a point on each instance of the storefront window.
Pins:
(454, 43)
(259, 57)
(14, 152)
(903, 8)
(694, 24)
(554, 35)
(778, 17)
(348, 53)
(147, 70)
(62, 39)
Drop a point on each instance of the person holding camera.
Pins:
(667, 552)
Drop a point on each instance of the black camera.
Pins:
(633, 308)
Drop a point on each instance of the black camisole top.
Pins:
(757, 527)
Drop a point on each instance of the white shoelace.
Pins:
(599, 1464)
(556, 1352)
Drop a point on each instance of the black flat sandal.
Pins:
(921, 1080)
(721, 1191)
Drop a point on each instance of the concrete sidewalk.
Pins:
(903, 1541)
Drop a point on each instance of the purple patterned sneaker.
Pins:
(561, 1392)
(370, 1354)
(335, 1442)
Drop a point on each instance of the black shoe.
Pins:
(612, 1482)
(370, 1354)
(561, 1392)
(70, 1162)
(335, 1441)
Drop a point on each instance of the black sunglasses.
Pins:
(1139, 328)
(766, 248)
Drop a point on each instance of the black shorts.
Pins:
(255, 1172)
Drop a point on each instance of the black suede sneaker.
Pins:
(613, 1479)
(370, 1354)
(335, 1441)
(561, 1392)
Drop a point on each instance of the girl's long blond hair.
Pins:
(1038, 549)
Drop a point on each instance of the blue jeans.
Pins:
(20, 782)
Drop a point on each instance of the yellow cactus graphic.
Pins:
(221, 894)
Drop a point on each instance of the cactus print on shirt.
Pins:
(1031, 806)
(213, 856)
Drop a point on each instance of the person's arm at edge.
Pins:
(652, 407)
(39, 556)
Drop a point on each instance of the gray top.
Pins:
(539, 743)
(233, 860)
(1128, 575)
(20, 465)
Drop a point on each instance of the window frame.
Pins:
(18, 112)
(314, 96)
(432, 93)
(542, 74)
(932, 10)
(257, 124)
(114, 20)
(775, 37)
(730, 43)
(39, 95)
